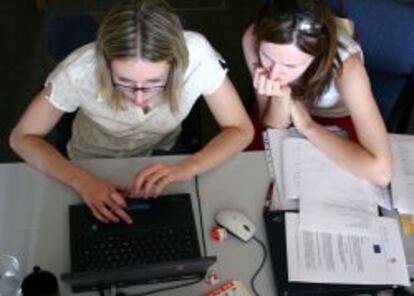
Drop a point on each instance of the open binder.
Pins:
(276, 235)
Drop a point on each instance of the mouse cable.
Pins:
(260, 266)
(194, 282)
(203, 238)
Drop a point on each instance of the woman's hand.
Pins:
(152, 179)
(300, 116)
(105, 199)
(268, 87)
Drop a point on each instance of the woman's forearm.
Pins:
(44, 157)
(277, 113)
(350, 155)
(229, 142)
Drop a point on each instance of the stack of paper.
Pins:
(338, 231)
(318, 257)
(402, 184)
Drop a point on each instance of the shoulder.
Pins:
(195, 40)
(348, 46)
(201, 52)
(206, 68)
(198, 46)
(78, 64)
(352, 66)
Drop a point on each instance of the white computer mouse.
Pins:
(236, 223)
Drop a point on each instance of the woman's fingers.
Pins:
(107, 213)
(152, 182)
(259, 72)
(162, 183)
(141, 177)
(121, 213)
(118, 199)
(99, 216)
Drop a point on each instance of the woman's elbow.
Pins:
(248, 133)
(17, 141)
(14, 140)
(382, 173)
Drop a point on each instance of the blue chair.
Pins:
(62, 34)
(385, 30)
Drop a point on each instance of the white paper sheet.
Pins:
(335, 258)
(273, 139)
(331, 199)
(402, 183)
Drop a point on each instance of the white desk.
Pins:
(34, 216)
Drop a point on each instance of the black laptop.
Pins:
(161, 245)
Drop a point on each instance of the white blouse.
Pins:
(100, 131)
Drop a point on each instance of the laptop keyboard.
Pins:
(102, 251)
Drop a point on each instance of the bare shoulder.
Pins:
(248, 35)
(352, 65)
(353, 73)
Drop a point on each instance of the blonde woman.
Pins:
(132, 89)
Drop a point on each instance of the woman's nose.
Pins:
(275, 72)
(138, 96)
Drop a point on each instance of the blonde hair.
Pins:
(145, 29)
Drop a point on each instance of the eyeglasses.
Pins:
(132, 90)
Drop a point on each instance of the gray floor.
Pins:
(24, 65)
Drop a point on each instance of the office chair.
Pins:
(64, 33)
(385, 30)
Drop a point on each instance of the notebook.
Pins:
(161, 245)
(276, 235)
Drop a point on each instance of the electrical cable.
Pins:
(256, 273)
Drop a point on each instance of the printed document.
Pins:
(290, 157)
(318, 257)
(402, 183)
(331, 199)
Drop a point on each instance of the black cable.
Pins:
(161, 289)
(203, 239)
(260, 266)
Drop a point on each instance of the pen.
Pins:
(268, 200)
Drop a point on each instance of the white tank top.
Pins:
(331, 104)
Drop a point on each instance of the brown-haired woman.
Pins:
(132, 89)
(305, 70)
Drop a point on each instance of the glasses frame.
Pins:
(132, 90)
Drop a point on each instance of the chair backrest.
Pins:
(64, 33)
(385, 31)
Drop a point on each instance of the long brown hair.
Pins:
(310, 26)
(146, 29)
